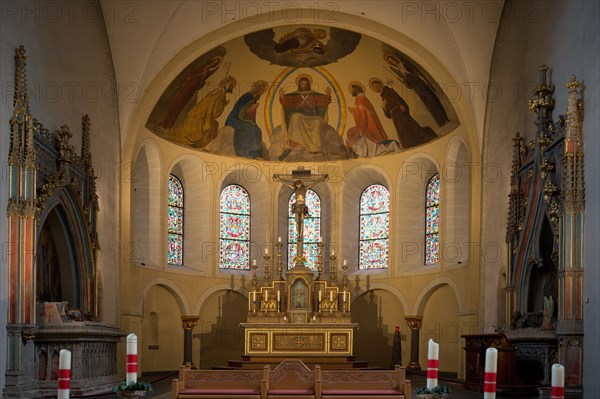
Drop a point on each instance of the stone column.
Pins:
(414, 322)
(188, 323)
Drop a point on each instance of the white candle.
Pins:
(344, 296)
(345, 262)
(64, 374)
(254, 262)
(266, 251)
(558, 382)
(131, 359)
(432, 364)
(319, 296)
(278, 296)
(330, 296)
(333, 252)
(254, 296)
(491, 368)
(266, 296)
(279, 239)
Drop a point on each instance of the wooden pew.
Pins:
(364, 384)
(290, 379)
(218, 384)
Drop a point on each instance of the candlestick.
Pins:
(319, 261)
(254, 280)
(64, 374)
(558, 382)
(131, 359)
(345, 276)
(489, 378)
(279, 261)
(267, 266)
(432, 364)
(333, 267)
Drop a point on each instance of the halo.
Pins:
(303, 75)
(387, 56)
(356, 83)
(373, 80)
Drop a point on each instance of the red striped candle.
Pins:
(558, 382)
(432, 364)
(489, 378)
(131, 360)
(64, 374)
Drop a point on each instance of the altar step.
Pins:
(326, 362)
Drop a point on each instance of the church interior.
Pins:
(238, 183)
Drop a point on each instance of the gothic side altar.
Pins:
(300, 313)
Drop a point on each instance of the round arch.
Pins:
(172, 288)
(385, 287)
(430, 288)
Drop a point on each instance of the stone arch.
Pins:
(145, 176)
(385, 287)
(352, 186)
(198, 186)
(457, 178)
(430, 288)
(411, 184)
(172, 288)
(240, 289)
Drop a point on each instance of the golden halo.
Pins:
(303, 75)
(373, 80)
(356, 83)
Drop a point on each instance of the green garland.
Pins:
(136, 386)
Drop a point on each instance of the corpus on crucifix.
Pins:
(300, 180)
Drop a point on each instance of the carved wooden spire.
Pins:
(573, 179)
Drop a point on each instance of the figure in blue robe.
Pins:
(247, 138)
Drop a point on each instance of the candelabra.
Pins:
(254, 281)
(333, 267)
(267, 268)
(345, 276)
(319, 260)
(279, 262)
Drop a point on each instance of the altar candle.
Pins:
(344, 296)
(489, 378)
(254, 296)
(432, 364)
(279, 239)
(64, 374)
(254, 262)
(319, 296)
(266, 251)
(333, 252)
(266, 296)
(558, 382)
(345, 262)
(278, 296)
(131, 360)
(330, 296)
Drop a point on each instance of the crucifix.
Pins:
(300, 180)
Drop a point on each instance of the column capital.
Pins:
(414, 322)
(189, 322)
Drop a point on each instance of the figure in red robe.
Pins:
(367, 138)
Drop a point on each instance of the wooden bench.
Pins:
(364, 384)
(219, 384)
(290, 379)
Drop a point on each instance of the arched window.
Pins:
(234, 245)
(432, 220)
(175, 222)
(312, 230)
(374, 227)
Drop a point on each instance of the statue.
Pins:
(300, 181)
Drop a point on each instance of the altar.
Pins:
(300, 313)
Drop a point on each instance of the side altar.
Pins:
(300, 313)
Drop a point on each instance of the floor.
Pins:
(161, 383)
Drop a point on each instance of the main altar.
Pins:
(300, 313)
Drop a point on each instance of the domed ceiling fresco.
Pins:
(308, 93)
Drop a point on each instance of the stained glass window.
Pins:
(175, 222)
(432, 220)
(312, 230)
(374, 227)
(234, 227)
